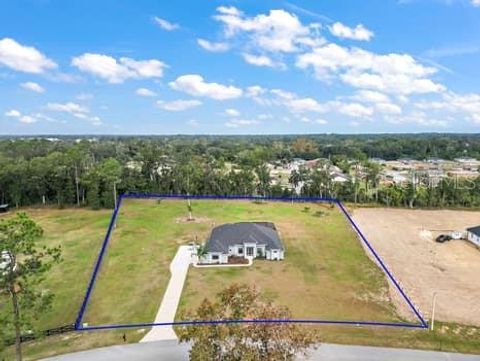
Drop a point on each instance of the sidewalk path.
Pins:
(171, 298)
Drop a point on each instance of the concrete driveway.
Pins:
(171, 298)
(172, 351)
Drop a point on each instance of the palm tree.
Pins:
(294, 180)
(263, 175)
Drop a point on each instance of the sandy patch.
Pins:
(194, 220)
(405, 241)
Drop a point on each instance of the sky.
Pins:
(239, 67)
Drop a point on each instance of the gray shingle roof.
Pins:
(474, 230)
(261, 233)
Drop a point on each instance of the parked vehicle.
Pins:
(443, 238)
(457, 235)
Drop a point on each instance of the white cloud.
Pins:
(195, 85)
(144, 92)
(165, 24)
(388, 108)
(28, 119)
(34, 87)
(419, 118)
(262, 60)
(392, 73)
(279, 31)
(355, 110)
(47, 118)
(117, 71)
(178, 105)
(476, 3)
(13, 113)
(193, 123)
(219, 47)
(370, 96)
(255, 91)
(95, 121)
(465, 106)
(305, 105)
(313, 121)
(284, 94)
(72, 108)
(22, 118)
(23, 58)
(75, 110)
(360, 32)
(232, 112)
(236, 123)
(298, 105)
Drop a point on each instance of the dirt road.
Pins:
(405, 240)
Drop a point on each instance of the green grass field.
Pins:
(326, 273)
(324, 262)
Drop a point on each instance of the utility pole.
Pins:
(434, 301)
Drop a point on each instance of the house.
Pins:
(243, 239)
(473, 235)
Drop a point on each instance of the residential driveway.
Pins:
(172, 351)
(171, 298)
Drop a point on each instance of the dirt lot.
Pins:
(405, 241)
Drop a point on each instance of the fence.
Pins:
(50, 332)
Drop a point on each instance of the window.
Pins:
(215, 257)
(240, 250)
(249, 251)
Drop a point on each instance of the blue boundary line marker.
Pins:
(78, 323)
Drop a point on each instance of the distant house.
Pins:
(473, 235)
(243, 239)
(3, 208)
(339, 177)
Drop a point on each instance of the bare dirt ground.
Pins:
(405, 240)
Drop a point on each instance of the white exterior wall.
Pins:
(275, 254)
(208, 258)
(234, 250)
(474, 239)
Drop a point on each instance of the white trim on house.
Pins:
(247, 250)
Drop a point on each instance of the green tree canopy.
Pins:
(245, 341)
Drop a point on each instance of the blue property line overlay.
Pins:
(274, 321)
(78, 324)
(98, 263)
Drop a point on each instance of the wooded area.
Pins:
(89, 171)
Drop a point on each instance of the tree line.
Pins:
(90, 172)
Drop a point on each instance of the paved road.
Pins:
(172, 351)
(171, 298)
